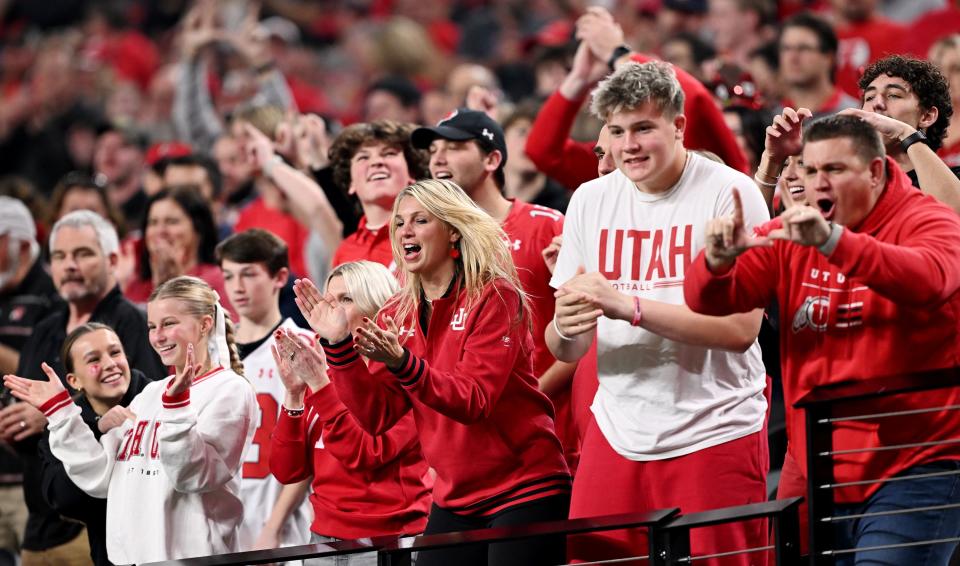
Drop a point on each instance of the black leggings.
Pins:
(542, 551)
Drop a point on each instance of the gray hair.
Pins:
(106, 233)
(636, 84)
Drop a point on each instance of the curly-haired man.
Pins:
(374, 161)
(912, 91)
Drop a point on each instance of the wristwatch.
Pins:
(618, 52)
(913, 138)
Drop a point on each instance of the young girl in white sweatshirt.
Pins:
(169, 465)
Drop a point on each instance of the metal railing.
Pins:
(669, 538)
(822, 407)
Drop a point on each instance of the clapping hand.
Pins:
(380, 344)
(301, 365)
(325, 316)
(576, 311)
(600, 32)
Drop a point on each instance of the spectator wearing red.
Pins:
(916, 94)
(363, 485)
(179, 239)
(930, 28)
(871, 290)
(289, 203)
(865, 37)
(470, 149)
(453, 347)
(374, 161)
(739, 27)
(945, 54)
(574, 163)
(808, 61)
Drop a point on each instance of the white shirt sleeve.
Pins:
(754, 207)
(202, 452)
(88, 463)
(571, 252)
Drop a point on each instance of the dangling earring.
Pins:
(454, 253)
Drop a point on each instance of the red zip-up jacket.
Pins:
(363, 485)
(573, 163)
(468, 380)
(884, 302)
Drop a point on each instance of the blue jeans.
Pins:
(905, 527)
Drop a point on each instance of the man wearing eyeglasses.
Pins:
(808, 62)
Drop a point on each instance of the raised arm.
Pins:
(88, 463)
(194, 117)
(549, 145)
(377, 403)
(202, 449)
(735, 271)
(309, 203)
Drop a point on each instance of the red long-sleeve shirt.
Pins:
(363, 485)
(573, 163)
(884, 302)
(484, 426)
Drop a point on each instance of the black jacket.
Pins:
(64, 497)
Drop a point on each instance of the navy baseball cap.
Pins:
(462, 125)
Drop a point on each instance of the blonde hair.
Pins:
(370, 284)
(199, 300)
(484, 256)
(636, 84)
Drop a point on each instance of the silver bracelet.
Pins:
(556, 328)
(764, 183)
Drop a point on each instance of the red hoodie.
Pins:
(363, 485)
(573, 163)
(884, 302)
(468, 380)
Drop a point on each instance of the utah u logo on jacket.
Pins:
(813, 313)
(459, 320)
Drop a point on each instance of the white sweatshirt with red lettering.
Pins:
(172, 478)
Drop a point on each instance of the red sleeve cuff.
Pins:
(410, 371)
(289, 429)
(56, 403)
(325, 403)
(341, 354)
(175, 401)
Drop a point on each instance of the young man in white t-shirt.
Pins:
(255, 268)
(680, 412)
